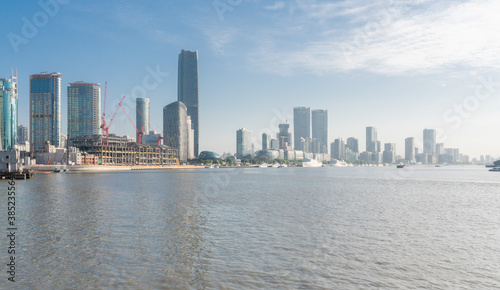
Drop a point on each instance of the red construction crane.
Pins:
(104, 126)
(159, 139)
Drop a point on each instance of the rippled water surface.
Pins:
(356, 227)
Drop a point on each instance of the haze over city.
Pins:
(403, 67)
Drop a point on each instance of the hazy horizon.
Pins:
(399, 66)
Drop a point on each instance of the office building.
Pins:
(371, 140)
(389, 155)
(430, 141)
(45, 110)
(439, 149)
(142, 116)
(410, 150)
(284, 137)
(352, 144)
(243, 143)
(274, 144)
(266, 141)
(175, 128)
(22, 134)
(338, 149)
(301, 126)
(190, 139)
(84, 110)
(188, 90)
(320, 129)
(8, 103)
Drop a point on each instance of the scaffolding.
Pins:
(114, 150)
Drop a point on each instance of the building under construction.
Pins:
(114, 150)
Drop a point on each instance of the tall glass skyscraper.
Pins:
(175, 128)
(45, 109)
(410, 149)
(84, 109)
(430, 141)
(320, 129)
(371, 140)
(142, 116)
(301, 126)
(243, 143)
(188, 91)
(8, 103)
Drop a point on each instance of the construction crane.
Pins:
(160, 135)
(104, 127)
(139, 132)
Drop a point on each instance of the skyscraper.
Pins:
(301, 126)
(284, 137)
(430, 141)
(243, 143)
(352, 144)
(389, 155)
(266, 141)
(371, 139)
(84, 109)
(22, 134)
(188, 91)
(190, 139)
(338, 149)
(320, 129)
(142, 116)
(410, 149)
(8, 103)
(45, 110)
(175, 128)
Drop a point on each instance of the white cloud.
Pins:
(276, 6)
(390, 39)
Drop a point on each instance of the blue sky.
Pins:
(400, 66)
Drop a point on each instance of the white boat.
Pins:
(311, 163)
(263, 165)
(337, 163)
(276, 165)
(209, 166)
(283, 165)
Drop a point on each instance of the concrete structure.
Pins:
(284, 137)
(410, 150)
(371, 140)
(22, 134)
(84, 109)
(190, 139)
(301, 126)
(45, 109)
(243, 143)
(175, 128)
(274, 144)
(8, 109)
(188, 90)
(266, 141)
(142, 117)
(320, 130)
(151, 138)
(10, 161)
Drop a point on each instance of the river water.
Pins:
(330, 228)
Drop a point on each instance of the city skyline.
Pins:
(368, 71)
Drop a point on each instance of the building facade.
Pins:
(142, 116)
(320, 129)
(188, 90)
(352, 144)
(266, 141)
(45, 110)
(301, 126)
(175, 128)
(410, 150)
(22, 134)
(84, 109)
(190, 139)
(8, 103)
(338, 149)
(430, 141)
(389, 155)
(243, 143)
(284, 137)
(371, 140)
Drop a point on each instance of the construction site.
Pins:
(115, 150)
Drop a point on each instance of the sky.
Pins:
(399, 66)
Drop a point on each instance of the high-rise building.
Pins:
(389, 155)
(84, 109)
(142, 116)
(188, 90)
(284, 137)
(320, 129)
(243, 143)
(371, 140)
(301, 126)
(8, 103)
(266, 141)
(190, 139)
(338, 149)
(430, 141)
(45, 110)
(274, 144)
(22, 134)
(439, 149)
(352, 144)
(410, 149)
(175, 128)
